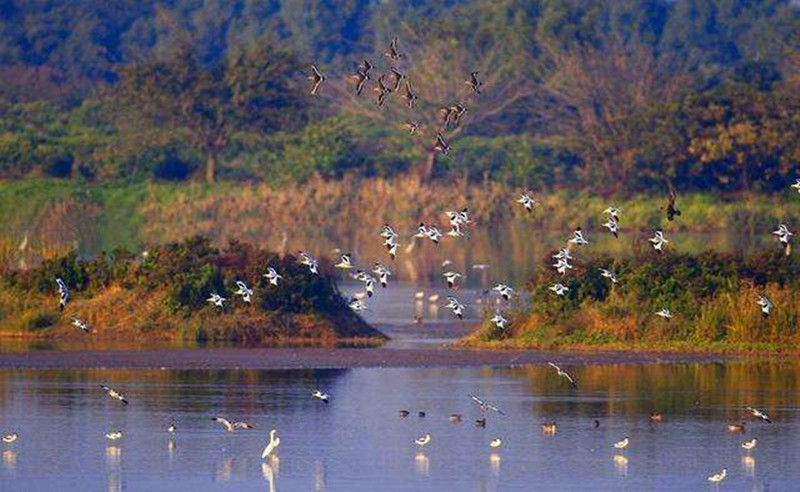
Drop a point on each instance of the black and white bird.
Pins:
(577, 238)
(759, 414)
(434, 234)
(243, 291)
(114, 394)
(423, 441)
(458, 219)
(748, 445)
(411, 126)
(613, 213)
(368, 281)
(319, 395)
(391, 246)
(499, 321)
(766, 305)
(562, 265)
(114, 435)
(718, 477)
(63, 294)
(409, 95)
(455, 231)
(172, 428)
(455, 306)
(559, 288)
(81, 324)
(393, 53)
(272, 276)
(505, 291)
(658, 240)
(232, 426)
(785, 237)
(309, 261)
(316, 79)
(796, 185)
(609, 274)
(527, 201)
(485, 406)
(564, 374)
(10, 437)
(612, 226)
(357, 305)
(451, 278)
(441, 144)
(563, 254)
(216, 300)
(665, 313)
(382, 272)
(474, 82)
(345, 263)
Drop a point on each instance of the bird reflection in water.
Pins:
(223, 470)
(171, 447)
(494, 464)
(269, 472)
(621, 465)
(114, 482)
(320, 482)
(113, 456)
(749, 466)
(422, 464)
(10, 459)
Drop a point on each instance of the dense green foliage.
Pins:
(712, 296)
(612, 96)
(165, 291)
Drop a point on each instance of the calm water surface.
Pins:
(358, 441)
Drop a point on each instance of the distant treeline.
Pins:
(615, 96)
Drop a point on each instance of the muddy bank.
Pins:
(322, 358)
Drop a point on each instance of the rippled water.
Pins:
(358, 441)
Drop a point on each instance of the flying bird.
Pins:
(307, 260)
(243, 291)
(658, 240)
(785, 237)
(505, 291)
(474, 82)
(577, 238)
(759, 414)
(321, 396)
(564, 374)
(559, 288)
(499, 321)
(344, 262)
(766, 305)
(451, 278)
(665, 313)
(216, 300)
(316, 78)
(609, 274)
(81, 324)
(232, 426)
(485, 406)
(393, 53)
(527, 201)
(63, 294)
(455, 306)
(114, 394)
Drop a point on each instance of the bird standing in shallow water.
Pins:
(10, 438)
(623, 443)
(718, 477)
(272, 446)
(748, 445)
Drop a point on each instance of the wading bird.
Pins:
(272, 446)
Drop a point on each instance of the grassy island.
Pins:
(712, 296)
(162, 295)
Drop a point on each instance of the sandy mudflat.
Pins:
(313, 358)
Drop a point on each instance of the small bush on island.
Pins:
(713, 297)
(163, 294)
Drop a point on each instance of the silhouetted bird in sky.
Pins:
(474, 82)
(317, 78)
(393, 53)
(409, 95)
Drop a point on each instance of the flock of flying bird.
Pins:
(459, 221)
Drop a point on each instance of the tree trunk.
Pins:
(211, 168)
(424, 169)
